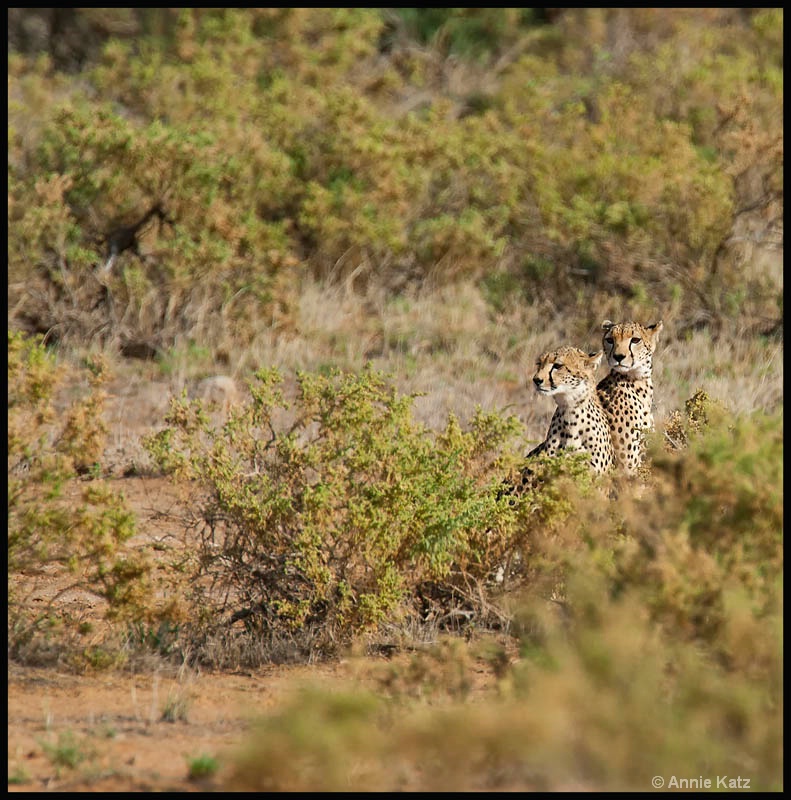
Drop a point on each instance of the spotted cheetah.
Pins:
(579, 423)
(627, 393)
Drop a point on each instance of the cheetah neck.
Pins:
(634, 378)
(641, 372)
(623, 384)
(577, 396)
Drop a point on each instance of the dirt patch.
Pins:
(141, 732)
(119, 729)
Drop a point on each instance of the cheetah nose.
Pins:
(619, 357)
(538, 381)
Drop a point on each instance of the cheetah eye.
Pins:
(557, 366)
(609, 340)
(635, 339)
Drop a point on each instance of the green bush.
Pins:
(201, 767)
(55, 517)
(336, 508)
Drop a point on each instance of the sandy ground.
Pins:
(115, 723)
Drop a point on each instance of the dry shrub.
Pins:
(65, 524)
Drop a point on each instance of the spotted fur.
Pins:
(627, 393)
(568, 375)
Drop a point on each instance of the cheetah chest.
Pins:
(628, 405)
(583, 428)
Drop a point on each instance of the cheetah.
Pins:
(579, 423)
(627, 392)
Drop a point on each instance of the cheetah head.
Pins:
(566, 374)
(630, 347)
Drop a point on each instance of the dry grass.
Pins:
(449, 346)
(743, 372)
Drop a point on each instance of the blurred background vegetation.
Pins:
(581, 160)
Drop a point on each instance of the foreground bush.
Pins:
(712, 527)
(660, 654)
(607, 704)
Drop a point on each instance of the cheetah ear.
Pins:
(655, 329)
(607, 324)
(594, 359)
